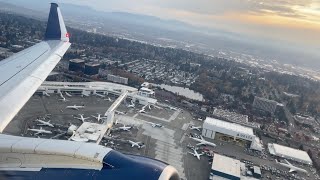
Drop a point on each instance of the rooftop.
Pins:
(287, 152)
(230, 126)
(226, 165)
(77, 60)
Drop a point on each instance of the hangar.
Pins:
(289, 153)
(226, 131)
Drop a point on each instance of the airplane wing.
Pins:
(25, 71)
(201, 144)
(287, 162)
(292, 170)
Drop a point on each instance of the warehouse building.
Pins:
(289, 153)
(231, 132)
(224, 167)
(117, 79)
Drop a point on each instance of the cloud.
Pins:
(289, 20)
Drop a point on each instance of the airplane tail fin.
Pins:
(56, 29)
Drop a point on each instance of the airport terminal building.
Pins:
(227, 131)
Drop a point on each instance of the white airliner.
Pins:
(69, 95)
(138, 144)
(81, 118)
(132, 105)
(74, 107)
(155, 106)
(46, 94)
(196, 154)
(100, 95)
(99, 117)
(203, 142)
(63, 99)
(40, 131)
(61, 95)
(155, 124)
(108, 99)
(44, 123)
(142, 111)
(120, 112)
(125, 128)
(291, 167)
(44, 159)
(198, 128)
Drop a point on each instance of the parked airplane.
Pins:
(138, 144)
(74, 107)
(108, 99)
(60, 94)
(142, 111)
(100, 95)
(44, 159)
(63, 99)
(44, 123)
(203, 142)
(291, 167)
(195, 128)
(46, 94)
(84, 95)
(172, 108)
(40, 131)
(81, 118)
(69, 95)
(99, 117)
(120, 112)
(125, 128)
(196, 154)
(131, 105)
(155, 124)
(155, 106)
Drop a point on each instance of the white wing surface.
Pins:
(24, 72)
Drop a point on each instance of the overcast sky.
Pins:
(296, 21)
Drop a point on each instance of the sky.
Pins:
(292, 21)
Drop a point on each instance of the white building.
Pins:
(91, 88)
(218, 129)
(146, 92)
(225, 168)
(289, 153)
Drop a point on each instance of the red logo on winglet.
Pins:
(67, 35)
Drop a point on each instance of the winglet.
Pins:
(56, 29)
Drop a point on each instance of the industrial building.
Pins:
(146, 92)
(227, 131)
(289, 153)
(225, 168)
(91, 68)
(265, 104)
(76, 65)
(117, 79)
